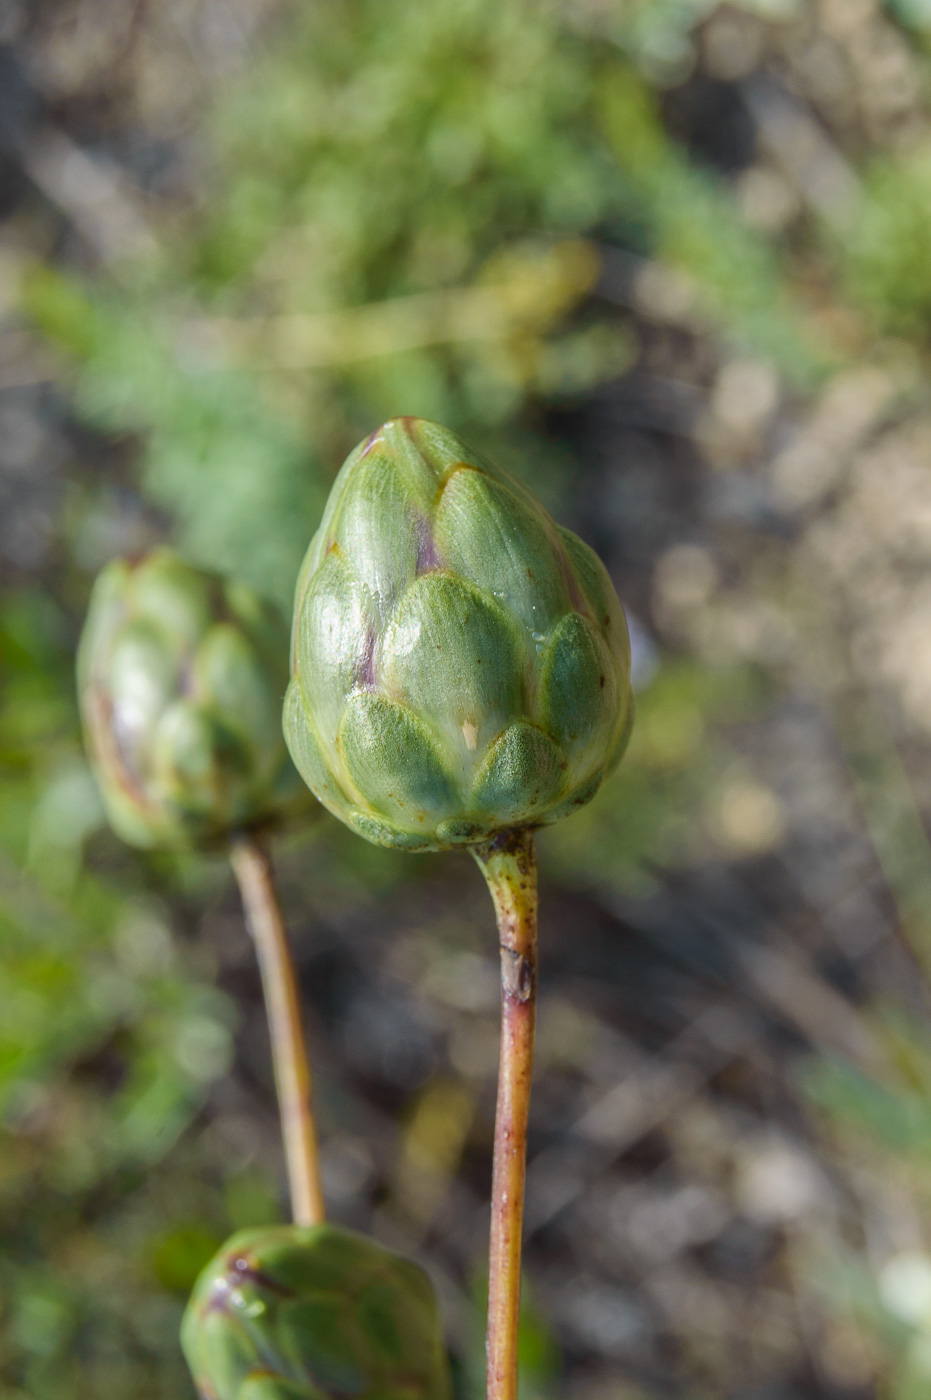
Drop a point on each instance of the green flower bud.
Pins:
(460, 663)
(180, 678)
(313, 1313)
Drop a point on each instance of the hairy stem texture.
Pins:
(253, 868)
(509, 866)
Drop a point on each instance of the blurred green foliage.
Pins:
(109, 1039)
(405, 208)
(882, 1123)
(388, 152)
(886, 261)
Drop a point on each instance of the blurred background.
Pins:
(669, 261)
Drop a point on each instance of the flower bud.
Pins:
(313, 1313)
(460, 663)
(180, 677)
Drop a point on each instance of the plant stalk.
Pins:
(510, 868)
(255, 876)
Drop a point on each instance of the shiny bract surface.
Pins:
(460, 663)
(314, 1313)
(180, 678)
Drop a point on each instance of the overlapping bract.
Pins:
(180, 678)
(460, 663)
(314, 1313)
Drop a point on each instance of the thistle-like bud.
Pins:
(313, 1313)
(460, 663)
(180, 678)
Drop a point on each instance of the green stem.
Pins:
(253, 869)
(510, 868)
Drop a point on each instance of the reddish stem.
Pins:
(509, 866)
(253, 869)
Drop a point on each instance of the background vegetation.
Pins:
(668, 260)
